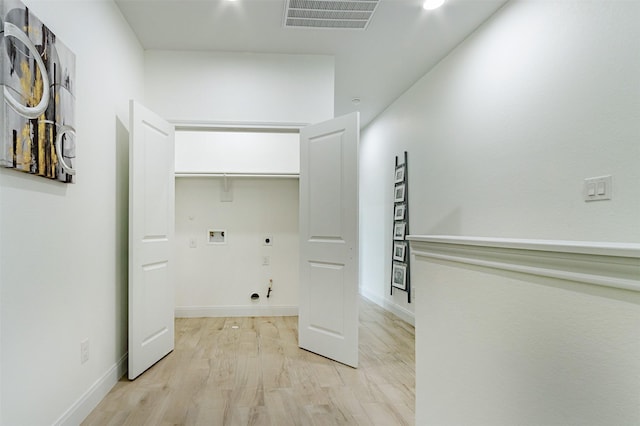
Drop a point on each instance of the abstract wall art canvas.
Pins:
(37, 79)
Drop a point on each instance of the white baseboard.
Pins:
(399, 311)
(235, 311)
(92, 397)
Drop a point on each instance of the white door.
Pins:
(328, 315)
(151, 230)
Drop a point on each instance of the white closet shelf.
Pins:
(239, 175)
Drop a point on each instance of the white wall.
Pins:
(64, 247)
(239, 87)
(218, 280)
(1, 315)
(503, 131)
(496, 348)
(500, 136)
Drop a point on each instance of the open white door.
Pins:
(151, 230)
(328, 313)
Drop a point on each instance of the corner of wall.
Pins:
(83, 406)
(396, 309)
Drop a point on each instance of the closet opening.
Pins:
(236, 234)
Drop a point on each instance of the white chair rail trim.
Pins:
(614, 265)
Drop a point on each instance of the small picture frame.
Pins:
(216, 236)
(400, 170)
(398, 231)
(399, 251)
(399, 276)
(399, 193)
(399, 212)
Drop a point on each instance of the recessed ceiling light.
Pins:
(432, 4)
(355, 101)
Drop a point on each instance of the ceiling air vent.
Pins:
(343, 14)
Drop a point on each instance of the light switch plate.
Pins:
(598, 188)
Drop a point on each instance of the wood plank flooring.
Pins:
(250, 371)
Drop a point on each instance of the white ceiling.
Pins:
(402, 42)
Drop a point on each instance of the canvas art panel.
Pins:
(37, 79)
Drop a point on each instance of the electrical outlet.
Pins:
(193, 243)
(266, 260)
(84, 351)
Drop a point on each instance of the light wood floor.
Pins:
(256, 375)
